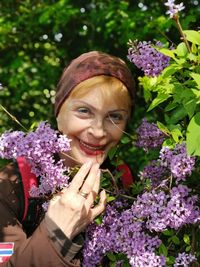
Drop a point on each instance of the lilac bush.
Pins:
(160, 225)
(156, 229)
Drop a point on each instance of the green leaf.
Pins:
(188, 248)
(125, 139)
(166, 52)
(190, 106)
(111, 256)
(175, 240)
(136, 188)
(193, 135)
(170, 70)
(112, 152)
(192, 36)
(170, 260)
(168, 142)
(171, 106)
(186, 239)
(158, 100)
(176, 135)
(196, 77)
(162, 127)
(181, 50)
(194, 49)
(168, 232)
(163, 250)
(178, 114)
(110, 198)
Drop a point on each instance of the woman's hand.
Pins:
(73, 210)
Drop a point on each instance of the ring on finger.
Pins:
(83, 194)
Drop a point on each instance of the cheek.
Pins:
(72, 126)
(117, 133)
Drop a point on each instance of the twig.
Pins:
(13, 118)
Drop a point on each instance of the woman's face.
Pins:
(94, 123)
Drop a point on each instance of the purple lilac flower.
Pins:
(127, 231)
(38, 148)
(147, 58)
(119, 232)
(184, 260)
(155, 172)
(149, 135)
(9, 144)
(181, 208)
(163, 210)
(173, 8)
(177, 161)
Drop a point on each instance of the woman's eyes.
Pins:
(116, 117)
(83, 110)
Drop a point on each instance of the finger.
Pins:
(92, 178)
(98, 209)
(94, 191)
(78, 179)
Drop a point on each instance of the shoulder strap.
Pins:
(28, 180)
(126, 177)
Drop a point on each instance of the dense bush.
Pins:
(38, 38)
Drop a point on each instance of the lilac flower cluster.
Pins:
(149, 135)
(155, 172)
(183, 260)
(121, 233)
(177, 161)
(128, 232)
(38, 148)
(147, 58)
(173, 8)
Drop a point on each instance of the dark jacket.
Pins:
(47, 246)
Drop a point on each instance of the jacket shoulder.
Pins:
(11, 190)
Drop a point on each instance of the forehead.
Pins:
(105, 88)
(96, 99)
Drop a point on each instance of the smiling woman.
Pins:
(94, 117)
(93, 102)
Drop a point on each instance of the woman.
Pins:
(93, 103)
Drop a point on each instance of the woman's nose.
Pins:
(97, 128)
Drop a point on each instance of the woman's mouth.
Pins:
(91, 149)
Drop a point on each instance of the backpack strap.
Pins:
(126, 177)
(28, 180)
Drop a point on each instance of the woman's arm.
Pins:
(38, 250)
(53, 242)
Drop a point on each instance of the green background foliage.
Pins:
(39, 38)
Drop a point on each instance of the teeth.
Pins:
(91, 147)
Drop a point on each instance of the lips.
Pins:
(91, 149)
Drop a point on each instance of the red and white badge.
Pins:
(6, 251)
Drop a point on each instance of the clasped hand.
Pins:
(74, 209)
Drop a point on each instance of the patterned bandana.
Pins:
(89, 65)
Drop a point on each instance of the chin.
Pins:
(94, 159)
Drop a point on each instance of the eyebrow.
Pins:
(92, 107)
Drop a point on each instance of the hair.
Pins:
(88, 65)
(109, 86)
